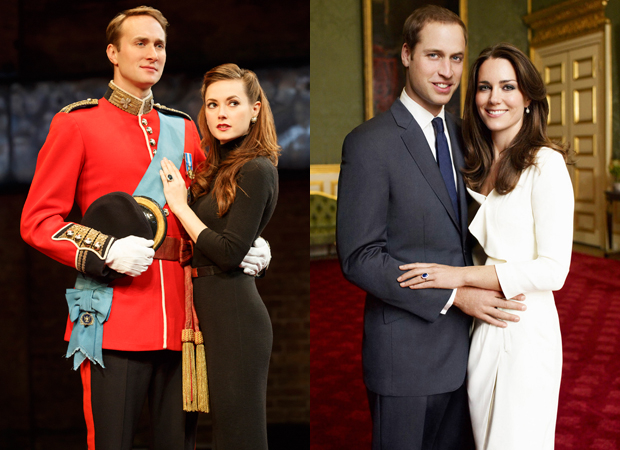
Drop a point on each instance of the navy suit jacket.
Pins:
(394, 208)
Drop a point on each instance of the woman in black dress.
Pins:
(234, 196)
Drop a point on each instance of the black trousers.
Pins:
(433, 422)
(114, 398)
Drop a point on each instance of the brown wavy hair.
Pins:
(260, 141)
(521, 152)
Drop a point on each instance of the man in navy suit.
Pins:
(401, 199)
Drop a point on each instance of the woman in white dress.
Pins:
(525, 225)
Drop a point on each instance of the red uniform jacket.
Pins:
(88, 153)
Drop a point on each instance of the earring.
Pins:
(527, 110)
(253, 119)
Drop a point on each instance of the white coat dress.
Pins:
(514, 373)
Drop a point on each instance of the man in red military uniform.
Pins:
(96, 147)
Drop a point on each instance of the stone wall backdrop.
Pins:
(54, 54)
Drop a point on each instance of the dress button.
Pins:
(152, 142)
(144, 122)
(149, 130)
(166, 212)
(154, 151)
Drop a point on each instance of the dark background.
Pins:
(53, 53)
(49, 39)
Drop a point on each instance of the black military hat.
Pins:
(118, 214)
(156, 218)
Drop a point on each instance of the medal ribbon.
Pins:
(189, 165)
(89, 307)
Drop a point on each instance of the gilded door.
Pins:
(575, 72)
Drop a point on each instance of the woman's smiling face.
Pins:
(500, 103)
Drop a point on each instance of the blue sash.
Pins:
(90, 302)
(171, 145)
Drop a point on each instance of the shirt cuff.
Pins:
(449, 304)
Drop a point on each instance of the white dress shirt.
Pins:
(424, 120)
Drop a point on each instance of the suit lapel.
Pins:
(418, 148)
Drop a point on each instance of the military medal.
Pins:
(86, 319)
(189, 165)
(189, 170)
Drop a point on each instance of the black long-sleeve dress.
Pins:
(233, 318)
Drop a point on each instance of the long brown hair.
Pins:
(260, 141)
(521, 152)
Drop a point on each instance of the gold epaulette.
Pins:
(174, 112)
(82, 104)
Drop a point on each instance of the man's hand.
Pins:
(131, 255)
(257, 259)
(483, 304)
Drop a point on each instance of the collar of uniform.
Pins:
(127, 102)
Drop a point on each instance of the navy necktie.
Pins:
(445, 162)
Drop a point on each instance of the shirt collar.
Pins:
(128, 102)
(421, 115)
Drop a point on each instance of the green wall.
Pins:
(537, 5)
(490, 22)
(336, 76)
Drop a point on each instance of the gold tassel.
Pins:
(189, 371)
(201, 374)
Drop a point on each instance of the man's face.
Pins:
(139, 62)
(434, 68)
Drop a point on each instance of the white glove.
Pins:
(131, 255)
(257, 259)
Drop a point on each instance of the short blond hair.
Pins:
(113, 32)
